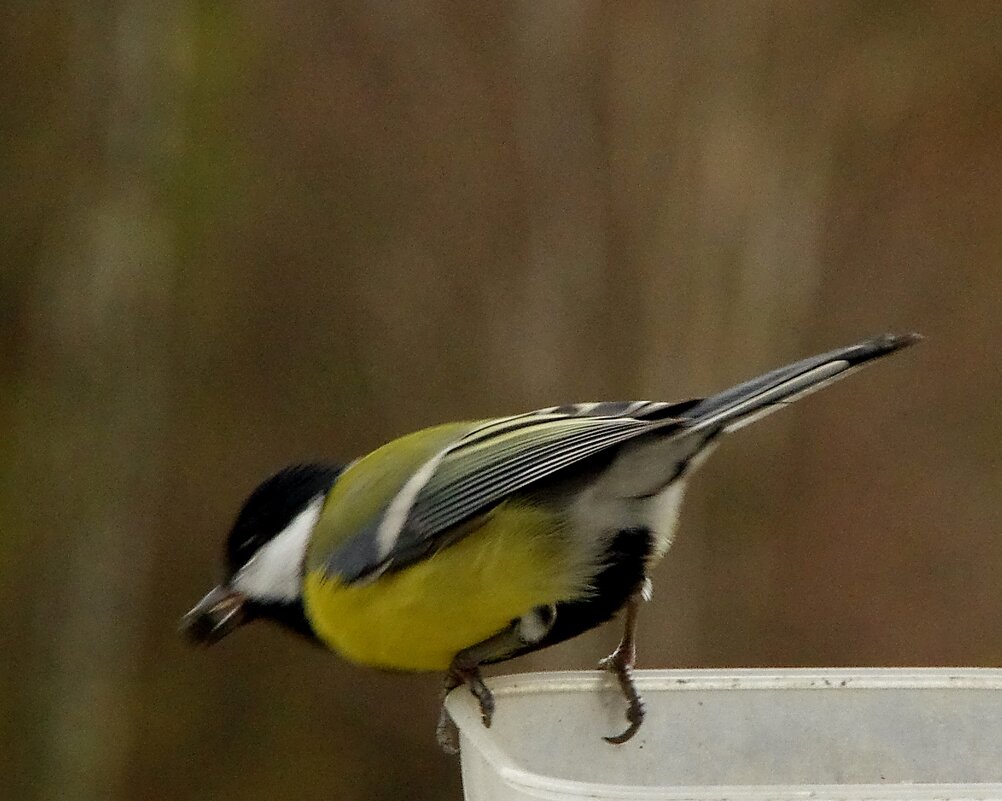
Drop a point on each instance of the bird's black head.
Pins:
(264, 556)
(271, 507)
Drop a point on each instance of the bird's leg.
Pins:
(620, 663)
(465, 668)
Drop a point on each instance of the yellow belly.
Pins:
(419, 618)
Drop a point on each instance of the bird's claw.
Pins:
(486, 700)
(620, 664)
(447, 733)
(635, 716)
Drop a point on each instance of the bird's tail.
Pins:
(684, 438)
(646, 467)
(743, 404)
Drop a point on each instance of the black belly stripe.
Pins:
(625, 560)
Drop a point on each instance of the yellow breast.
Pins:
(420, 617)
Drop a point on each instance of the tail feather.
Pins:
(743, 404)
(650, 465)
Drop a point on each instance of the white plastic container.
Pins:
(739, 734)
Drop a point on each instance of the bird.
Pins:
(471, 543)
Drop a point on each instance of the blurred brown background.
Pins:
(237, 235)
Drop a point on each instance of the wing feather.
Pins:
(446, 500)
(496, 460)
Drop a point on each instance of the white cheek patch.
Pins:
(275, 572)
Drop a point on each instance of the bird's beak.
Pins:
(215, 616)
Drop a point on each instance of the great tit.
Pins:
(472, 543)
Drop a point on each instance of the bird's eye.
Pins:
(246, 544)
(241, 549)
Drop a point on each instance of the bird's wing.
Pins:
(433, 481)
(476, 470)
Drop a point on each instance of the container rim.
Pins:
(465, 712)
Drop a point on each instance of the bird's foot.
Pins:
(446, 731)
(620, 664)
